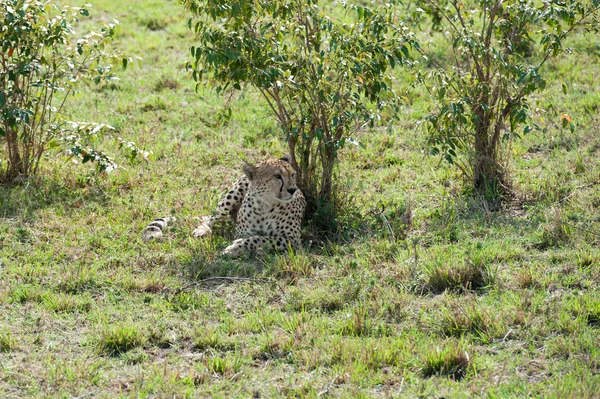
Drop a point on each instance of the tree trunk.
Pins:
(327, 162)
(15, 166)
(488, 174)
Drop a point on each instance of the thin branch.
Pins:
(579, 188)
(446, 17)
(267, 95)
(473, 55)
(488, 36)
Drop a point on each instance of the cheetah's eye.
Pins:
(278, 176)
(293, 175)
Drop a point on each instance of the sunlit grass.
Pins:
(425, 293)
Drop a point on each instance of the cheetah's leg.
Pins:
(228, 206)
(258, 244)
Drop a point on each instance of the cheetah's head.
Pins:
(273, 180)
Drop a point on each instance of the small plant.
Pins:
(41, 63)
(79, 279)
(224, 365)
(475, 271)
(117, 339)
(460, 278)
(593, 318)
(7, 342)
(526, 278)
(590, 311)
(24, 293)
(274, 347)
(359, 323)
(293, 265)
(452, 361)
(186, 301)
(211, 338)
(158, 335)
(461, 320)
(65, 303)
(23, 235)
(555, 233)
(135, 356)
(586, 260)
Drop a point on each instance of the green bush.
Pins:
(482, 90)
(41, 64)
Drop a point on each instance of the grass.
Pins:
(7, 342)
(451, 361)
(118, 339)
(427, 293)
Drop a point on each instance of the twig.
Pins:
(387, 224)
(578, 188)
(501, 373)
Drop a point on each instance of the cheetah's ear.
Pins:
(285, 158)
(249, 170)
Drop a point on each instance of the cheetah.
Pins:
(266, 206)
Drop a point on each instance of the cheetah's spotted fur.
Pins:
(265, 204)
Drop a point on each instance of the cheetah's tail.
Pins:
(155, 229)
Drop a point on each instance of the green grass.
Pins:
(427, 293)
(118, 339)
(451, 361)
(7, 341)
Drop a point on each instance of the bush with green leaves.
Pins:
(41, 64)
(481, 96)
(322, 70)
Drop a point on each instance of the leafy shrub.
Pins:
(41, 64)
(482, 90)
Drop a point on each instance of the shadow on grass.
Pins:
(207, 264)
(467, 219)
(204, 265)
(23, 200)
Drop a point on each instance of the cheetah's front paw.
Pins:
(235, 248)
(203, 230)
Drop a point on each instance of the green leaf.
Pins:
(442, 93)
(404, 50)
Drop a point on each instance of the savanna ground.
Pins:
(427, 293)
